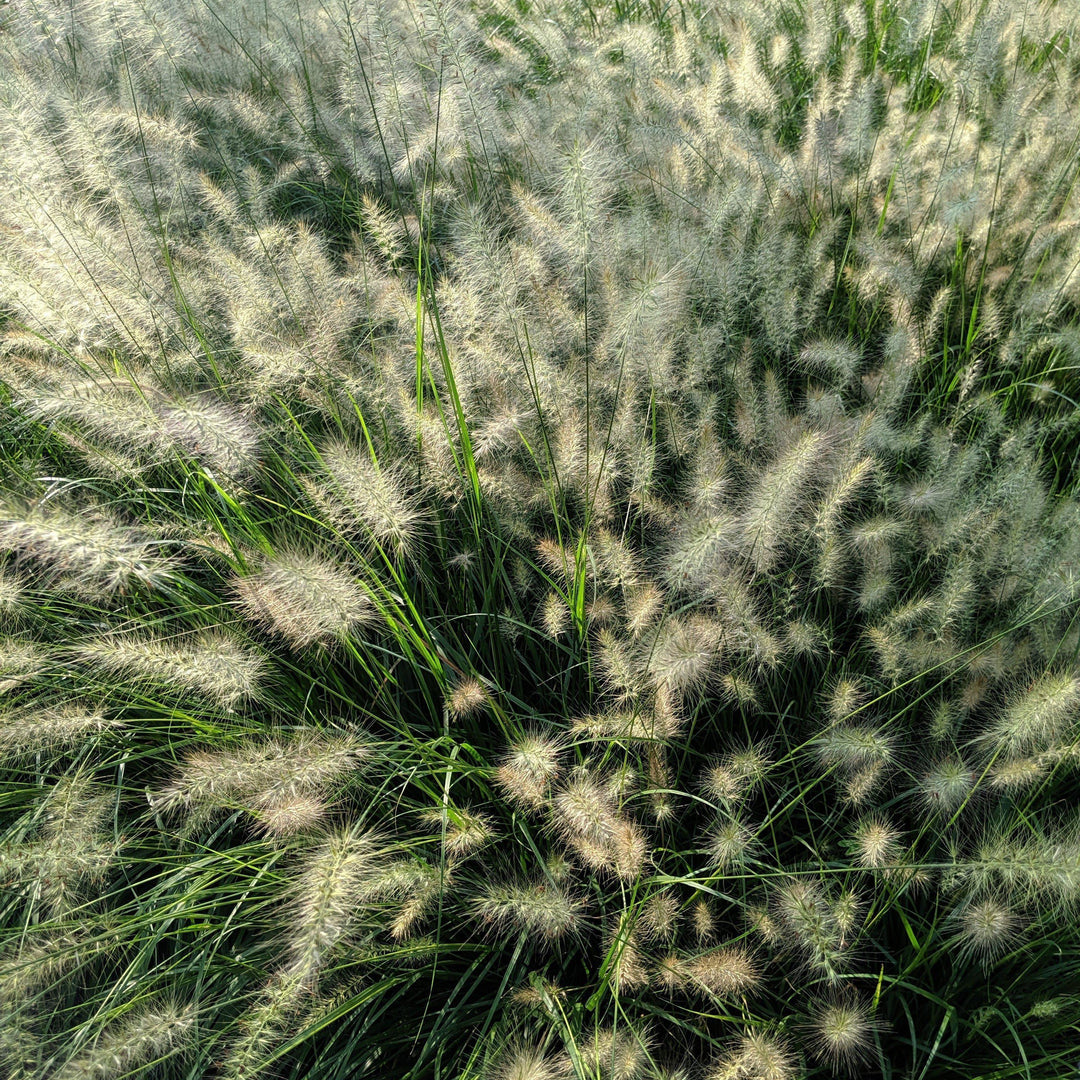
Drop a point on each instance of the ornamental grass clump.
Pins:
(539, 540)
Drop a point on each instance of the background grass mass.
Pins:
(539, 540)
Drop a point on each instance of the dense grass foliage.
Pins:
(538, 539)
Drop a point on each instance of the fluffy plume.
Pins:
(51, 728)
(876, 843)
(589, 821)
(842, 1033)
(524, 1063)
(148, 1034)
(93, 552)
(467, 698)
(985, 929)
(729, 972)
(757, 1056)
(374, 499)
(1041, 714)
(279, 781)
(528, 769)
(946, 784)
(543, 910)
(214, 666)
(348, 870)
(305, 598)
(778, 498)
(813, 925)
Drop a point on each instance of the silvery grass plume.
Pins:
(543, 910)
(69, 851)
(330, 898)
(280, 782)
(152, 427)
(91, 552)
(49, 727)
(142, 1039)
(361, 494)
(215, 666)
(305, 598)
(842, 1033)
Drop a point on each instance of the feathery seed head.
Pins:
(764, 924)
(553, 616)
(467, 698)
(845, 489)
(524, 1063)
(1046, 711)
(836, 357)
(304, 598)
(528, 770)
(541, 995)
(1017, 773)
(545, 910)
(621, 724)
(841, 1035)
(942, 720)
(702, 920)
(729, 842)
(860, 785)
(466, 830)
(281, 814)
(601, 610)
(739, 690)
(875, 843)
(95, 554)
(374, 499)
(279, 780)
(63, 725)
(724, 972)
(417, 888)
(557, 559)
(724, 783)
(629, 849)
(685, 653)
(774, 506)
(844, 698)
(659, 916)
(846, 909)
(621, 943)
(670, 973)
(214, 434)
(337, 879)
(668, 718)
(805, 638)
(986, 929)
(698, 547)
(620, 670)
(12, 597)
(759, 1057)
(617, 1055)
(946, 784)
(752, 762)
(854, 746)
(559, 867)
(643, 607)
(812, 922)
(585, 810)
(148, 1034)
(213, 665)
(875, 537)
